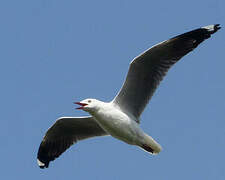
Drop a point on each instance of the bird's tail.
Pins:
(151, 145)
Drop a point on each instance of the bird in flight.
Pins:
(120, 118)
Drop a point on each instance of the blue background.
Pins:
(56, 52)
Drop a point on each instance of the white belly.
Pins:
(120, 126)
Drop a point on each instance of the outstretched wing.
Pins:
(147, 70)
(65, 132)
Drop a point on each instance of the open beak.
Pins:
(81, 105)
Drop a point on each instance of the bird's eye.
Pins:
(89, 101)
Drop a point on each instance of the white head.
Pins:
(89, 105)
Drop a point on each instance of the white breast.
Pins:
(118, 124)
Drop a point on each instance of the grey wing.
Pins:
(65, 132)
(147, 70)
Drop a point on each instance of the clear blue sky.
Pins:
(56, 52)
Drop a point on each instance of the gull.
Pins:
(120, 118)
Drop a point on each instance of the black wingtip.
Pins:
(217, 27)
(201, 34)
(50, 150)
(212, 28)
(42, 165)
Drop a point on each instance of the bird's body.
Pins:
(121, 125)
(117, 123)
(120, 118)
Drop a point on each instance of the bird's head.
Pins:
(89, 105)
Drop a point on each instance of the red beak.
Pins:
(81, 105)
